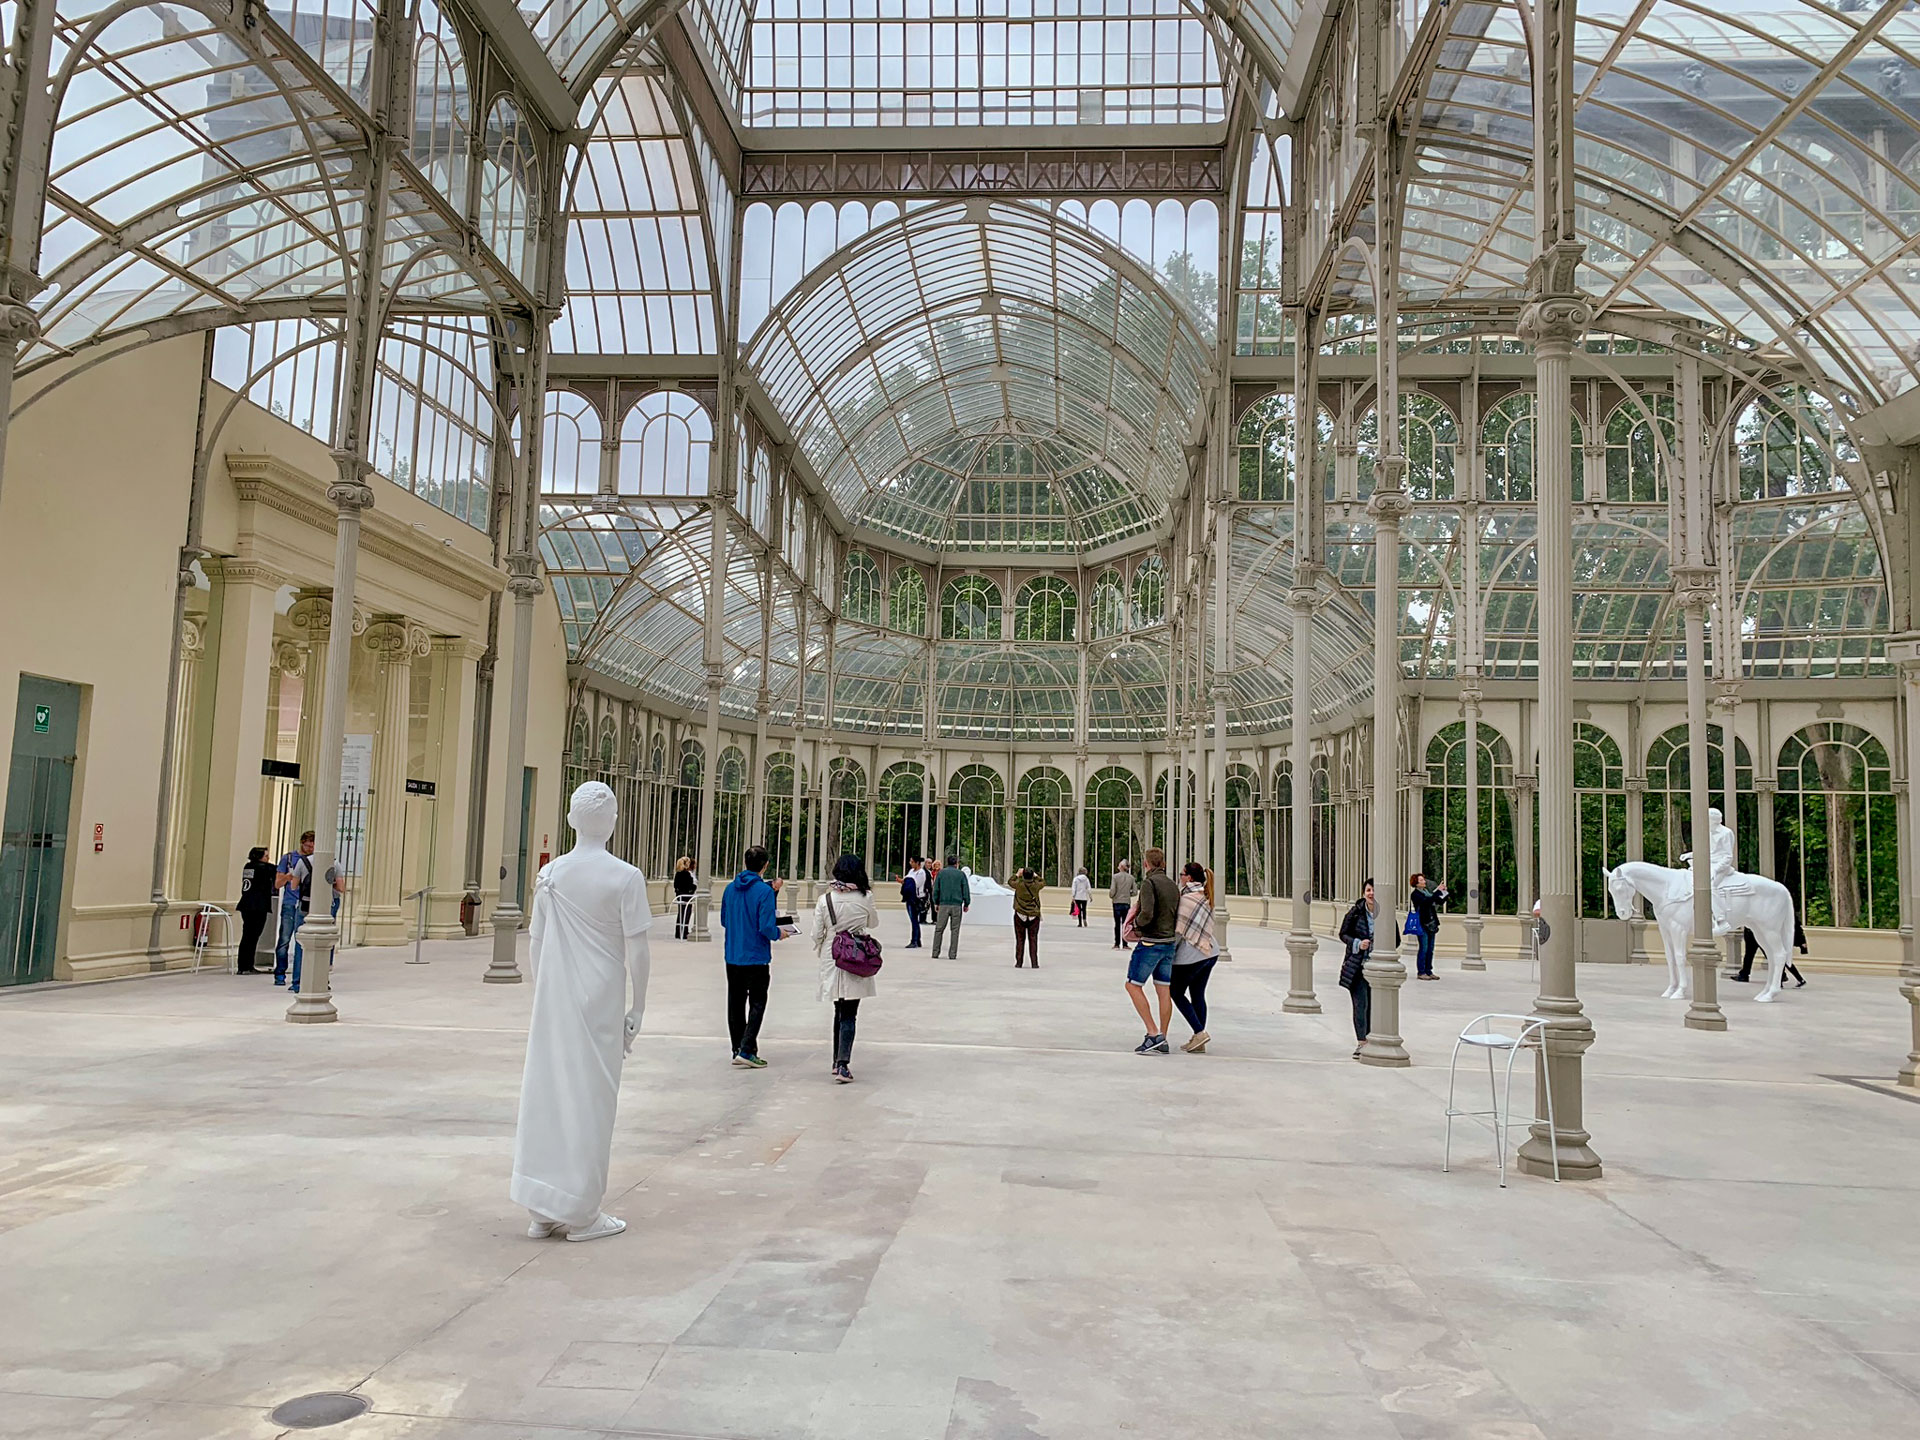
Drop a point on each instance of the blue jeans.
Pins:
(290, 918)
(913, 918)
(1424, 957)
(296, 947)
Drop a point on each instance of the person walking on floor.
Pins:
(292, 881)
(913, 886)
(846, 905)
(1423, 923)
(951, 898)
(1155, 920)
(1121, 892)
(747, 916)
(255, 906)
(1357, 931)
(1196, 953)
(1082, 896)
(1745, 973)
(1026, 917)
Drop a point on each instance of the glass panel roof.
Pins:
(963, 320)
(832, 63)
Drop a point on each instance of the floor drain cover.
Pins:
(316, 1412)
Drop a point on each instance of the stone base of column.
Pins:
(314, 1004)
(1568, 1041)
(1910, 1072)
(702, 908)
(1704, 1013)
(1301, 948)
(1473, 959)
(387, 925)
(1220, 922)
(1383, 1045)
(504, 967)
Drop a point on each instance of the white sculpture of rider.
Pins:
(1722, 875)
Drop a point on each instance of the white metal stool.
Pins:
(203, 935)
(1511, 1033)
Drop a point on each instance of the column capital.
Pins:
(1525, 784)
(19, 321)
(1555, 313)
(1636, 784)
(523, 576)
(351, 492)
(311, 612)
(235, 570)
(193, 637)
(1762, 784)
(289, 658)
(1726, 693)
(394, 637)
(1695, 586)
(1389, 505)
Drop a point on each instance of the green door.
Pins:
(33, 845)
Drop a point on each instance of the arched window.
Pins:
(1836, 832)
(1506, 447)
(970, 609)
(1666, 831)
(846, 810)
(1636, 467)
(609, 742)
(1443, 854)
(1044, 610)
(1282, 831)
(1266, 449)
(1184, 847)
(683, 825)
(1246, 834)
(1600, 800)
(1043, 824)
(509, 181)
(1430, 438)
(666, 445)
(442, 107)
(1109, 613)
(976, 811)
(1786, 446)
(1115, 808)
(907, 602)
(570, 445)
(899, 818)
(860, 589)
(731, 808)
(1150, 594)
(1325, 831)
(782, 782)
(579, 737)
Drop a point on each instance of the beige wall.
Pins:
(92, 516)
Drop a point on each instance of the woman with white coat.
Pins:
(846, 905)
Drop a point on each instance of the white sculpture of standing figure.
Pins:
(589, 935)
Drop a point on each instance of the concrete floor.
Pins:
(1010, 1229)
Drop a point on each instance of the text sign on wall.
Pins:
(42, 718)
(420, 787)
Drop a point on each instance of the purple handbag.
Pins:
(854, 951)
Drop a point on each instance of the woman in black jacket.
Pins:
(1356, 932)
(685, 883)
(1425, 903)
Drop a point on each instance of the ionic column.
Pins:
(1475, 923)
(523, 586)
(1385, 970)
(1904, 652)
(241, 645)
(1636, 843)
(710, 787)
(1553, 320)
(1726, 700)
(456, 681)
(193, 650)
(1525, 785)
(395, 643)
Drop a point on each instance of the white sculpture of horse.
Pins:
(1760, 905)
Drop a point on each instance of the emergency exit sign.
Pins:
(42, 718)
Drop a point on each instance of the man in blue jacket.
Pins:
(747, 916)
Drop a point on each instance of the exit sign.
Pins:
(42, 718)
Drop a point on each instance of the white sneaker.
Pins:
(602, 1226)
(543, 1228)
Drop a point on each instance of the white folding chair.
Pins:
(1492, 1034)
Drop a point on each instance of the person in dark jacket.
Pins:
(1156, 920)
(685, 885)
(1026, 917)
(952, 896)
(1357, 933)
(1745, 974)
(747, 916)
(255, 906)
(1425, 902)
(912, 895)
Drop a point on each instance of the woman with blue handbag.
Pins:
(1423, 919)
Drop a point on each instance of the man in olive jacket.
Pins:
(951, 897)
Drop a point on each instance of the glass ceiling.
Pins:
(971, 319)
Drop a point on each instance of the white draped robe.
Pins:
(584, 910)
